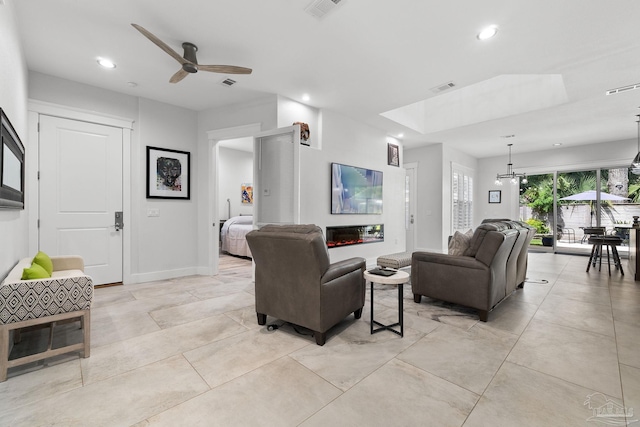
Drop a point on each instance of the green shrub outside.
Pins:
(540, 226)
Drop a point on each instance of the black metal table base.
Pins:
(400, 316)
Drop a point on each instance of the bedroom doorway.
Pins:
(235, 195)
(280, 201)
(214, 137)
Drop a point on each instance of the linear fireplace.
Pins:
(354, 235)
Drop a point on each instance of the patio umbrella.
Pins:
(591, 195)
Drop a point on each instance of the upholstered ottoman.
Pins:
(67, 294)
(399, 260)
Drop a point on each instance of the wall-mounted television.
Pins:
(11, 166)
(355, 190)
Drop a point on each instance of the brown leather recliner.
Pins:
(295, 281)
(477, 279)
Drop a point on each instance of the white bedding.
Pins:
(233, 235)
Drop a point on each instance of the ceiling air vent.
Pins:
(228, 82)
(623, 89)
(319, 8)
(442, 87)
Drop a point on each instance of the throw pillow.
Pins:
(35, 272)
(460, 242)
(44, 261)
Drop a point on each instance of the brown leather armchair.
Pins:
(477, 279)
(295, 281)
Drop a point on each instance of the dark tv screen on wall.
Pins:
(355, 190)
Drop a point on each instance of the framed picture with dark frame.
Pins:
(393, 155)
(495, 196)
(168, 174)
(11, 166)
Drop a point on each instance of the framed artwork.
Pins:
(393, 155)
(168, 174)
(495, 196)
(247, 194)
(11, 166)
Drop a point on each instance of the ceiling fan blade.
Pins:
(181, 74)
(162, 45)
(225, 69)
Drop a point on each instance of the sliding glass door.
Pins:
(568, 207)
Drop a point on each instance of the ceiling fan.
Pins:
(188, 60)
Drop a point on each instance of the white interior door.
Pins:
(410, 205)
(276, 190)
(80, 191)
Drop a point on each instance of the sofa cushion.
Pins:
(44, 261)
(36, 271)
(480, 233)
(459, 243)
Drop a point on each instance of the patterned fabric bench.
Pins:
(67, 294)
(399, 260)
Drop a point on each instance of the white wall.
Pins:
(341, 140)
(166, 242)
(609, 154)
(347, 141)
(433, 182)
(14, 233)
(161, 247)
(264, 112)
(290, 112)
(236, 168)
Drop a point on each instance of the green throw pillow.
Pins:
(44, 261)
(35, 272)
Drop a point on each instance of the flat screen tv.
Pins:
(355, 190)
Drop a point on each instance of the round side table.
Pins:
(398, 279)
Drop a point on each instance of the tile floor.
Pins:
(190, 352)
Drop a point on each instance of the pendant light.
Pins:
(513, 177)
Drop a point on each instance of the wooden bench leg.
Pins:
(4, 352)
(85, 324)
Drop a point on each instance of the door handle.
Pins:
(411, 220)
(119, 224)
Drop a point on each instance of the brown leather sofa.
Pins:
(480, 278)
(295, 281)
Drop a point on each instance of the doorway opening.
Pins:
(235, 195)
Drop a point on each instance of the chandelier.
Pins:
(635, 165)
(513, 177)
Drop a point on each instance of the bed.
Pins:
(233, 234)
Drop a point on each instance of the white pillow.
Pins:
(459, 243)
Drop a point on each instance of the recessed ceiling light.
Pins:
(557, 144)
(400, 135)
(106, 63)
(132, 84)
(306, 97)
(488, 32)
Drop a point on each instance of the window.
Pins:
(462, 198)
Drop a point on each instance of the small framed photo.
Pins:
(393, 155)
(495, 196)
(168, 174)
